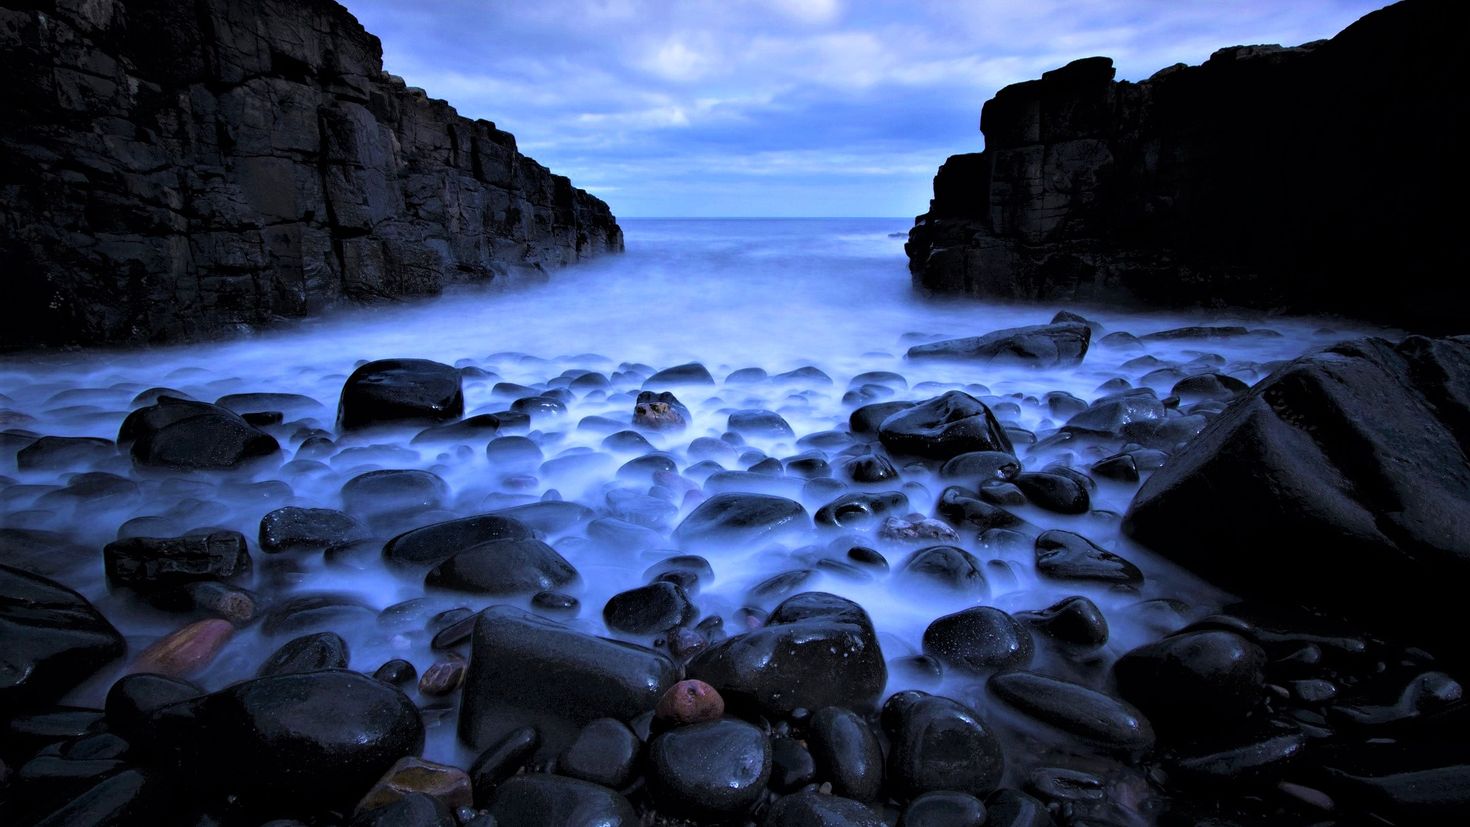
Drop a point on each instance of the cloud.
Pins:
(672, 107)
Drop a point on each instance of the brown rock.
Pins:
(689, 702)
(442, 678)
(449, 785)
(659, 411)
(186, 651)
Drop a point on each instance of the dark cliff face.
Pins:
(1308, 179)
(174, 169)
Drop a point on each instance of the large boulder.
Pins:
(1042, 346)
(1342, 480)
(739, 519)
(433, 544)
(943, 428)
(816, 650)
(192, 436)
(528, 670)
(400, 390)
(50, 640)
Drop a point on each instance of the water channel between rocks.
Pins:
(832, 295)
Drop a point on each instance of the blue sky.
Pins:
(784, 107)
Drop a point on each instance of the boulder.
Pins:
(736, 519)
(1041, 346)
(51, 639)
(943, 428)
(192, 436)
(1354, 468)
(391, 391)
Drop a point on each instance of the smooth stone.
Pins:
(292, 528)
(759, 423)
(604, 752)
(1066, 556)
(651, 609)
(1074, 709)
(866, 419)
(51, 637)
(847, 753)
(433, 544)
(527, 670)
(56, 453)
(1246, 762)
(1194, 681)
(860, 509)
(938, 744)
(810, 808)
(979, 639)
(133, 699)
(1073, 621)
(534, 800)
(1013, 808)
(443, 677)
(689, 702)
(549, 516)
(689, 374)
(960, 507)
(868, 468)
(1039, 346)
(660, 411)
(712, 770)
(1054, 492)
(187, 650)
(450, 786)
(947, 567)
(503, 567)
(1208, 386)
(1120, 467)
(792, 765)
(981, 465)
(411, 810)
(501, 761)
(393, 491)
(512, 453)
(131, 796)
(184, 435)
(944, 809)
(390, 391)
(471, 429)
(815, 650)
(397, 672)
(1109, 415)
(943, 428)
(732, 519)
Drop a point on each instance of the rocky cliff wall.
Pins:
(173, 169)
(1320, 178)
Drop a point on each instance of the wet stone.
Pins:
(292, 528)
(1194, 681)
(947, 567)
(860, 509)
(397, 672)
(503, 567)
(944, 809)
(868, 468)
(1073, 621)
(792, 766)
(979, 639)
(691, 374)
(391, 391)
(981, 465)
(689, 702)
(442, 678)
(450, 786)
(535, 800)
(847, 753)
(178, 434)
(1054, 492)
(63, 452)
(501, 760)
(1013, 808)
(761, 424)
(660, 411)
(943, 428)
(812, 808)
(158, 562)
(308, 653)
(1074, 709)
(187, 650)
(651, 609)
(1064, 555)
(604, 752)
(710, 770)
(938, 744)
(740, 519)
(866, 419)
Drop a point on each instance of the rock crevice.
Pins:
(1308, 179)
(177, 170)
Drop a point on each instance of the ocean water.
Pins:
(774, 294)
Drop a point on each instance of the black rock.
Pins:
(534, 800)
(938, 744)
(947, 567)
(392, 391)
(1076, 710)
(646, 610)
(740, 519)
(174, 433)
(792, 765)
(1109, 415)
(759, 423)
(412, 810)
(1208, 386)
(815, 650)
(64, 452)
(1041, 346)
(394, 491)
(471, 429)
(268, 740)
(156, 562)
(979, 639)
(51, 637)
(512, 453)
(133, 699)
(868, 468)
(308, 653)
(129, 797)
(692, 373)
(292, 528)
(314, 611)
(433, 544)
(1194, 681)
(810, 808)
(865, 420)
(528, 670)
(604, 752)
(944, 809)
(1121, 467)
(1013, 808)
(713, 770)
(1063, 555)
(847, 753)
(549, 516)
(1055, 492)
(1244, 761)
(943, 428)
(982, 466)
(397, 672)
(1073, 621)
(860, 509)
(1352, 466)
(960, 507)
(503, 567)
(502, 760)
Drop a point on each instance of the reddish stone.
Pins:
(689, 702)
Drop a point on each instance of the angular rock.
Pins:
(51, 639)
(1063, 555)
(1040, 346)
(656, 607)
(192, 436)
(158, 562)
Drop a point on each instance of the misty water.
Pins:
(772, 294)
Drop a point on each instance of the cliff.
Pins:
(174, 169)
(1320, 178)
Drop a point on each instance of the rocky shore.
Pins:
(184, 170)
(1300, 179)
(615, 594)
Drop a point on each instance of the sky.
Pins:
(789, 108)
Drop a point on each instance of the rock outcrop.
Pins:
(1310, 179)
(174, 169)
(1342, 481)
